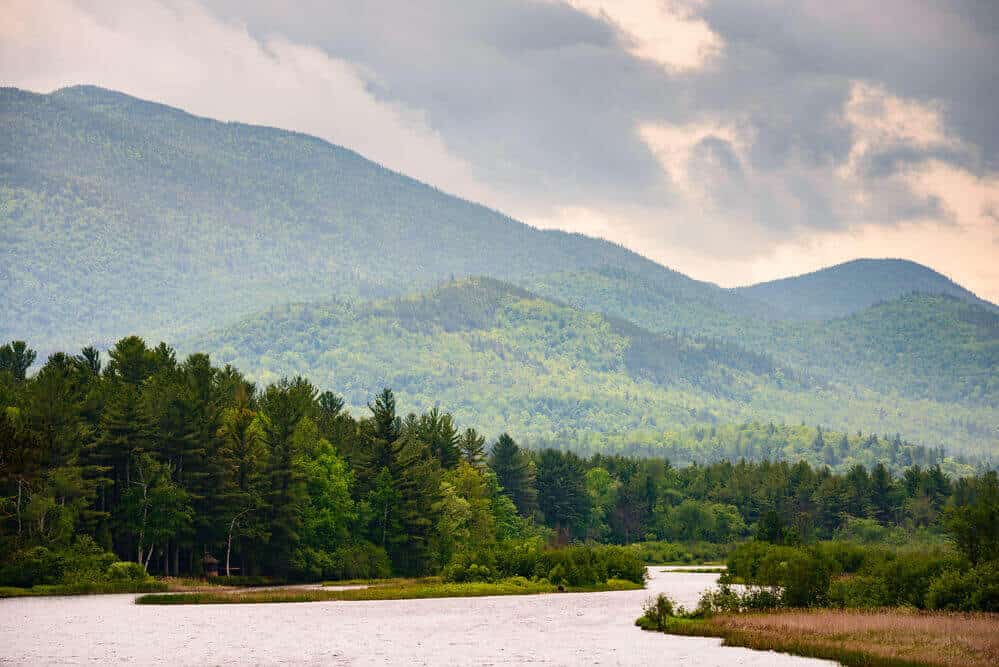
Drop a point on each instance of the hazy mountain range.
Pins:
(285, 254)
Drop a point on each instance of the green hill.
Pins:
(119, 215)
(505, 359)
(846, 288)
(939, 347)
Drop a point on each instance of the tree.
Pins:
(974, 527)
(562, 495)
(156, 506)
(16, 358)
(473, 447)
(515, 472)
(602, 490)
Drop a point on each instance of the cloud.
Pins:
(664, 32)
(725, 138)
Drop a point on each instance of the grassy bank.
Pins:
(395, 589)
(83, 589)
(886, 638)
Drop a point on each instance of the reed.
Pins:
(889, 638)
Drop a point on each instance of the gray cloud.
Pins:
(544, 101)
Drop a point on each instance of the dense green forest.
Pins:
(504, 359)
(143, 456)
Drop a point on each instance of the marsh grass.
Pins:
(890, 638)
(396, 589)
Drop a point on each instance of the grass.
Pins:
(393, 589)
(887, 638)
(84, 589)
(697, 570)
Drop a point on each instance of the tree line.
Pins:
(162, 461)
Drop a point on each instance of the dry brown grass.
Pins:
(893, 635)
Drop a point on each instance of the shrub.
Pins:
(86, 562)
(516, 558)
(127, 571)
(670, 552)
(33, 566)
(360, 561)
(859, 592)
(585, 565)
(459, 572)
(657, 612)
(907, 574)
(976, 589)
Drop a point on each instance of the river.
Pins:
(568, 629)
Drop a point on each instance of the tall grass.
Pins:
(888, 638)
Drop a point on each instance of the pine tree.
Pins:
(473, 447)
(515, 472)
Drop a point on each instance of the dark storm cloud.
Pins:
(545, 101)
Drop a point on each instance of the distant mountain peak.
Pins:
(849, 287)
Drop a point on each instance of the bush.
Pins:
(974, 590)
(726, 599)
(127, 571)
(906, 575)
(86, 562)
(360, 561)
(587, 565)
(657, 612)
(859, 592)
(32, 567)
(515, 558)
(660, 553)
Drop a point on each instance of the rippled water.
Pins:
(570, 629)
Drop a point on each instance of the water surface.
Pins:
(568, 629)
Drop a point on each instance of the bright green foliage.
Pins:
(163, 461)
(555, 376)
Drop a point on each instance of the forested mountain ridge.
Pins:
(847, 288)
(122, 215)
(510, 360)
(920, 345)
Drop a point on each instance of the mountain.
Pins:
(503, 358)
(918, 345)
(852, 286)
(121, 215)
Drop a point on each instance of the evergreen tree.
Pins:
(515, 473)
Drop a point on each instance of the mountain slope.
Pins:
(852, 286)
(504, 359)
(917, 345)
(119, 215)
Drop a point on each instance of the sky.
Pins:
(734, 141)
